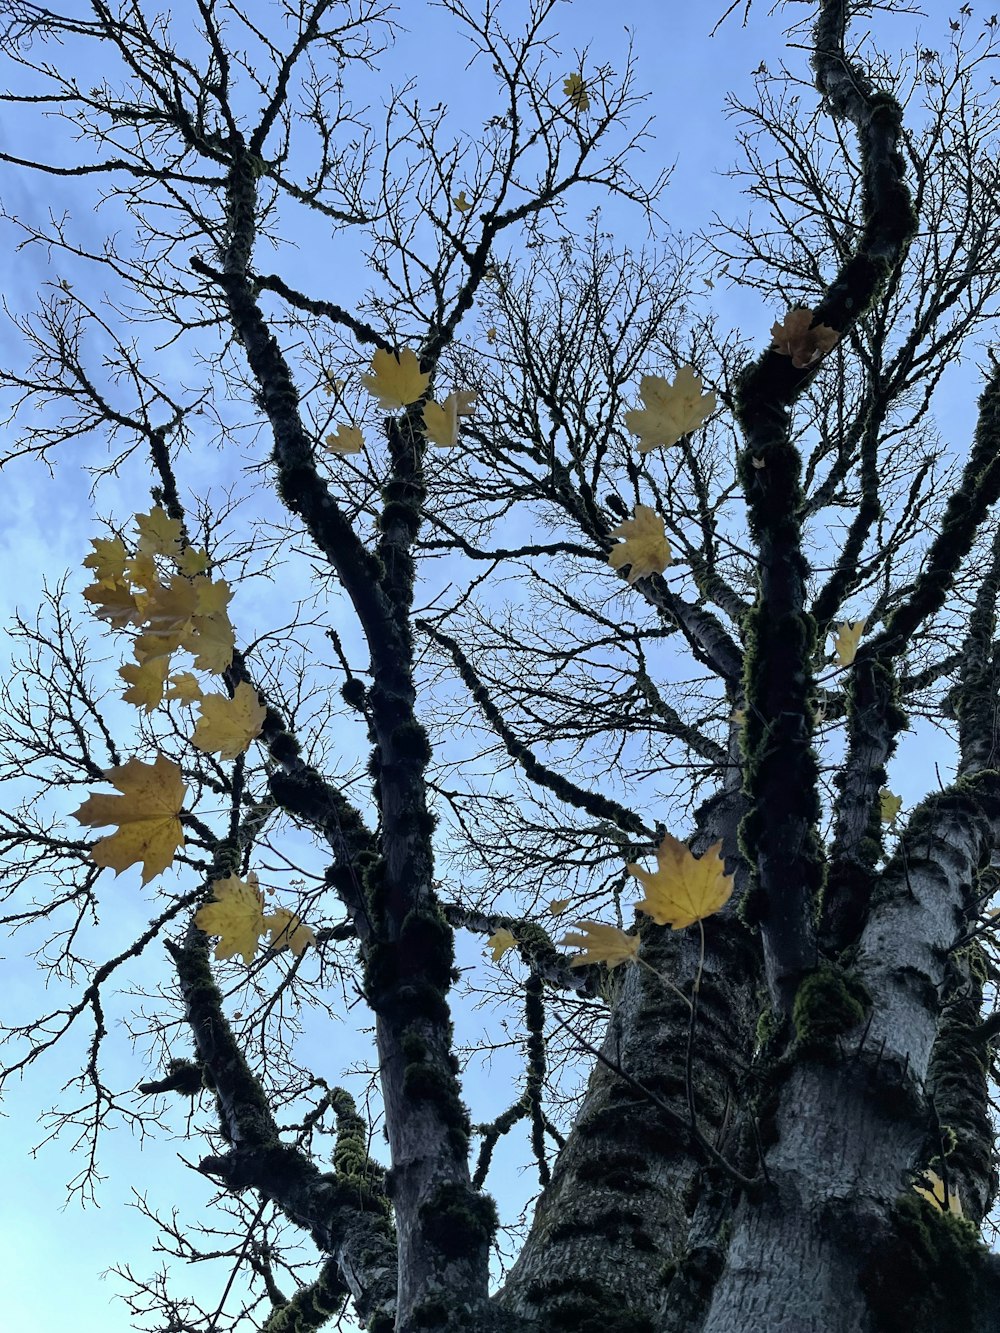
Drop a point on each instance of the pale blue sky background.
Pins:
(46, 525)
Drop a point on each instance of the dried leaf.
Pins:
(461, 203)
(793, 337)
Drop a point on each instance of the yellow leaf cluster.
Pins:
(396, 381)
(670, 410)
(236, 915)
(602, 943)
(683, 888)
(645, 547)
(793, 337)
(846, 643)
(147, 813)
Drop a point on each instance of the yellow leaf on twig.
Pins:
(684, 888)
(671, 410)
(396, 381)
(500, 941)
(147, 814)
(603, 944)
(793, 337)
(236, 915)
(576, 90)
(645, 547)
(227, 726)
(846, 643)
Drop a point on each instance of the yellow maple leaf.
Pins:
(288, 932)
(793, 337)
(158, 534)
(935, 1194)
(147, 814)
(461, 203)
(212, 640)
(227, 726)
(107, 560)
(142, 571)
(645, 547)
(889, 805)
(500, 941)
(846, 643)
(396, 381)
(184, 688)
(684, 888)
(145, 681)
(211, 597)
(236, 915)
(170, 607)
(576, 90)
(346, 440)
(557, 906)
(603, 944)
(671, 410)
(114, 602)
(192, 560)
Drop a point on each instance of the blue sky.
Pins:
(47, 522)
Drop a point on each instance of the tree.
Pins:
(786, 1117)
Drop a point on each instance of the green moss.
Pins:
(926, 1275)
(458, 1221)
(828, 1003)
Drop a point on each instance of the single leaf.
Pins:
(671, 410)
(158, 534)
(603, 944)
(192, 560)
(793, 337)
(236, 915)
(557, 906)
(227, 726)
(114, 602)
(889, 805)
(145, 681)
(396, 381)
(684, 888)
(461, 203)
(441, 423)
(846, 643)
(576, 90)
(934, 1192)
(500, 941)
(143, 571)
(147, 814)
(107, 560)
(288, 932)
(212, 640)
(211, 597)
(645, 547)
(491, 336)
(184, 687)
(347, 440)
